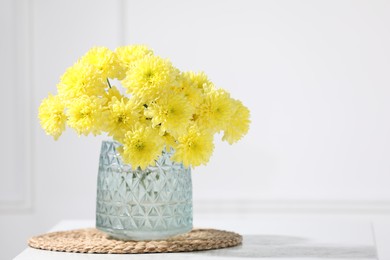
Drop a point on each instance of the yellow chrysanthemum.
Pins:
(111, 93)
(200, 80)
(121, 116)
(141, 147)
(215, 111)
(78, 80)
(189, 89)
(169, 141)
(84, 115)
(106, 62)
(52, 116)
(238, 124)
(128, 55)
(149, 77)
(194, 148)
(171, 112)
(166, 108)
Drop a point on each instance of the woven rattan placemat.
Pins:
(90, 240)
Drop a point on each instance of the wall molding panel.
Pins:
(20, 198)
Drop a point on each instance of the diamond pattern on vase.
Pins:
(158, 198)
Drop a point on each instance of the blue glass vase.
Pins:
(135, 204)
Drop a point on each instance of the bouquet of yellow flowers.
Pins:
(158, 108)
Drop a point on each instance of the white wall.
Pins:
(313, 73)
(315, 76)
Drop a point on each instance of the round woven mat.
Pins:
(91, 240)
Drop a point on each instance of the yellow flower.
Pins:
(52, 116)
(105, 61)
(169, 141)
(215, 111)
(238, 124)
(194, 148)
(189, 89)
(80, 79)
(120, 118)
(128, 55)
(84, 115)
(113, 93)
(141, 147)
(149, 77)
(200, 80)
(171, 112)
(158, 108)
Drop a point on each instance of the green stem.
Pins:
(109, 84)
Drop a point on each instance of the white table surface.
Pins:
(267, 237)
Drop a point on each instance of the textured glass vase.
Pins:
(135, 204)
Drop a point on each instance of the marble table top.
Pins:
(266, 238)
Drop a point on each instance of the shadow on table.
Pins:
(258, 246)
